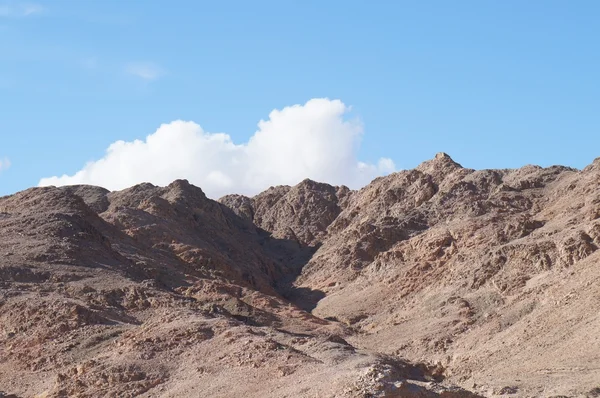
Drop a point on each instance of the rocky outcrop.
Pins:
(301, 213)
(438, 281)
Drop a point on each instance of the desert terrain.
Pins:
(441, 281)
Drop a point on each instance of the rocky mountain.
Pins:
(440, 281)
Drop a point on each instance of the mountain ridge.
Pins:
(431, 281)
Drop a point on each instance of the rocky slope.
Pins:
(437, 281)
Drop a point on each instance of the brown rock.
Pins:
(424, 283)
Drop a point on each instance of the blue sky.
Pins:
(493, 83)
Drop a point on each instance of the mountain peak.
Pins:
(442, 155)
(440, 166)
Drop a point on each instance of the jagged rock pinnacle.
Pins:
(439, 167)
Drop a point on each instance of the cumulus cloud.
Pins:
(144, 70)
(19, 9)
(4, 164)
(313, 140)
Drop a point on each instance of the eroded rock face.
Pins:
(301, 213)
(438, 281)
(445, 263)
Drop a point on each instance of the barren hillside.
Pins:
(440, 281)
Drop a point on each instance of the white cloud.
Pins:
(14, 9)
(313, 140)
(4, 164)
(144, 70)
